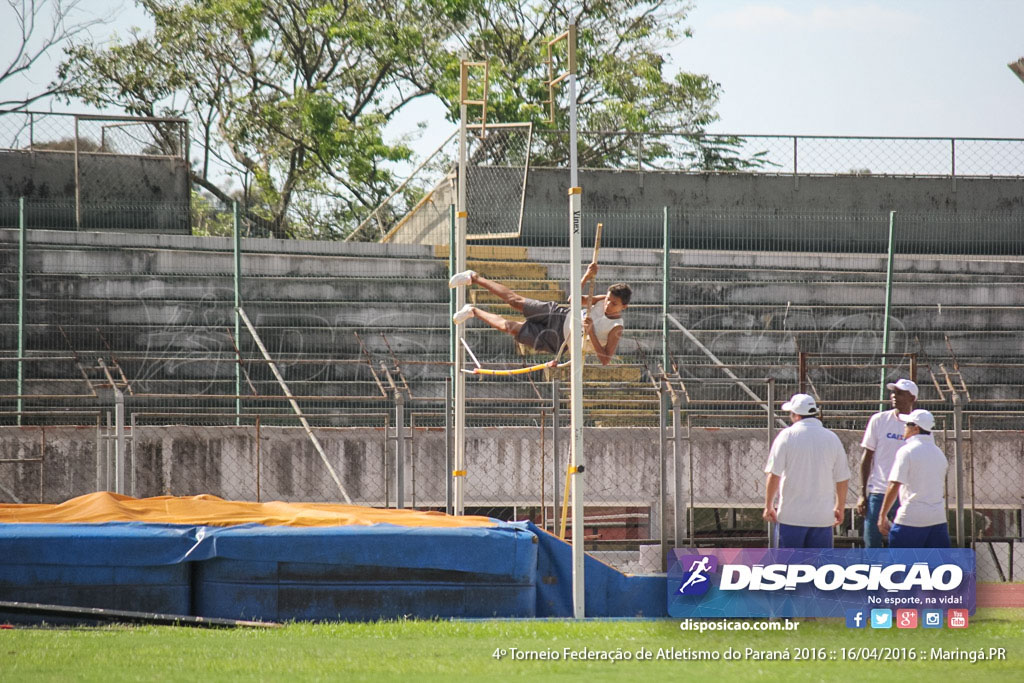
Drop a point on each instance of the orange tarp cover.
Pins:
(206, 510)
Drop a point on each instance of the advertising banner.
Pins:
(827, 582)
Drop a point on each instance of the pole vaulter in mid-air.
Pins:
(546, 327)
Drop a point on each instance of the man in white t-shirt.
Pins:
(807, 467)
(918, 477)
(882, 438)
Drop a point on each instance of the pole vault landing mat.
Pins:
(205, 557)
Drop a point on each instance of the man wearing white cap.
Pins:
(918, 477)
(807, 467)
(882, 438)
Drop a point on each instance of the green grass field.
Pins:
(466, 650)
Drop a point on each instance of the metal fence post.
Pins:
(952, 163)
(100, 441)
(796, 178)
(662, 472)
(119, 459)
(453, 341)
(691, 523)
(665, 269)
(677, 465)
(556, 463)
(107, 442)
(133, 441)
(448, 454)
(399, 450)
(771, 439)
(888, 306)
(958, 456)
(21, 305)
(78, 184)
(259, 460)
(238, 304)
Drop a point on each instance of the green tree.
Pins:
(624, 85)
(289, 99)
(38, 29)
(291, 96)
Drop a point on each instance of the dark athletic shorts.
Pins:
(542, 329)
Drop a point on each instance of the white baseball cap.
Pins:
(904, 384)
(801, 404)
(921, 418)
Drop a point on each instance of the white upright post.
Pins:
(459, 474)
(576, 334)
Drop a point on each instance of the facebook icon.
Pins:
(855, 618)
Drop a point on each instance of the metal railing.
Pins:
(854, 155)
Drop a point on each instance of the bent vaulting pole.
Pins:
(294, 403)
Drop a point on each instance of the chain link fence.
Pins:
(495, 162)
(95, 172)
(359, 336)
(785, 154)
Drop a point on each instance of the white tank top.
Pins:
(603, 325)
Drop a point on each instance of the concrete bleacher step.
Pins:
(621, 397)
(635, 418)
(487, 252)
(508, 270)
(160, 297)
(211, 263)
(612, 407)
(482, 296)
(832, 293)
(607, 376)
(186, 287)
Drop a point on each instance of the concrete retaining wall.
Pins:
(118, 192)
(504, 465)
(728, 200)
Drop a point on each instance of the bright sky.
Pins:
(826, 67)
(851, 67)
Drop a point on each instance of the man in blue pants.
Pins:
(918, 478)
(807, 467)
(882, 438)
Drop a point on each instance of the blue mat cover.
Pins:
(126, 566)
(273, 573)
(608, 592)
(369, 572)
(279, 573)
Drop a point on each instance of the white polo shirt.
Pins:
(921, 469)
(884, 436)
(810, 460)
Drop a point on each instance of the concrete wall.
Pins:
(504, 465)
(117, 192)
(725, 198)
(649, 191)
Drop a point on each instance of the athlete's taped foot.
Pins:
(463, 314)
(462, 279)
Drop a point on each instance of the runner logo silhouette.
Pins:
(696, 580)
